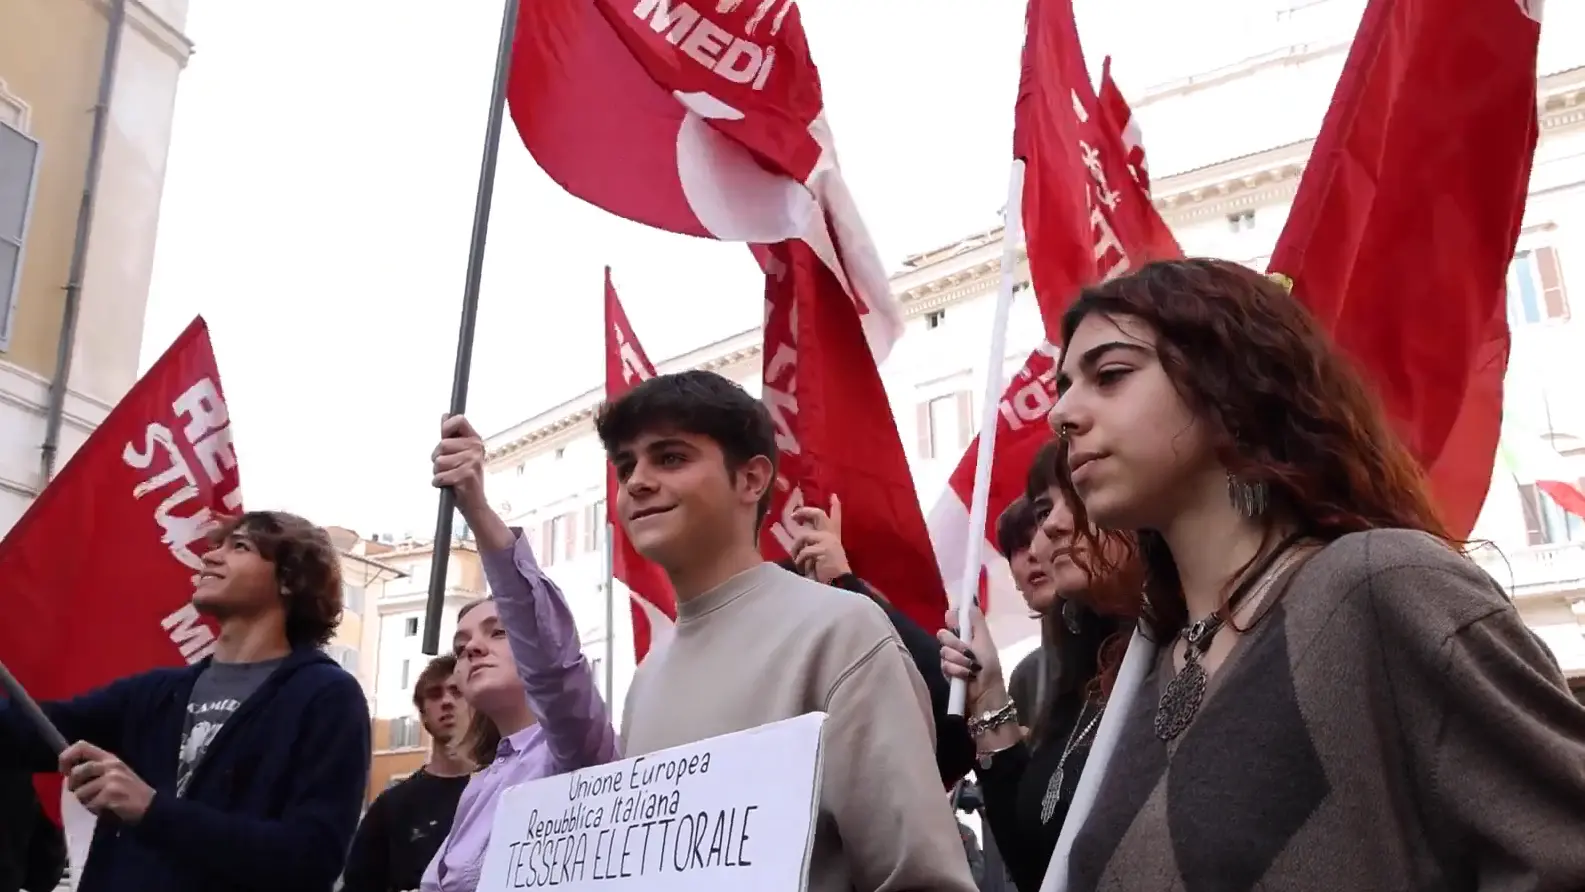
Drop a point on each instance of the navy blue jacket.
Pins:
(271, 807)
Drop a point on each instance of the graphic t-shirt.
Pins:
(217, 693)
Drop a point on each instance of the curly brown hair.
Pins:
(1283, 407)
(307, 566)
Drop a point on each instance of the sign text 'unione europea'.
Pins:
(733, 812)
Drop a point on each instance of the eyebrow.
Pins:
(1091, 357)
(627, 452)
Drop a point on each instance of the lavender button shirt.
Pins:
(574, 729)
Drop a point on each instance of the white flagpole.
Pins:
(995, 380)
(610, 615)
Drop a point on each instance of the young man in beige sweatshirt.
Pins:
(695, 459)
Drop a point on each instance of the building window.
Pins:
(410, 627)
(352, 598)
(1546, 523)
(563, 538)
(561, 452)
(594, 527)
(1535, 288)
(946, 425)
(1241, 222)
(407, 671)
(404, 733)
(19, 158)
(934, 318)
(519, 469)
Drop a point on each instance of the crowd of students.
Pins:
(1264, 663)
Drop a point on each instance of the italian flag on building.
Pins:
(1530, 458)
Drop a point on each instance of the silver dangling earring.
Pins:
(1070, 617)
(1249, 499)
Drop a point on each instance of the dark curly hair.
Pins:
(1282, 405)
(307, 566)
(694, 402)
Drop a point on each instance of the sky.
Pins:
(319, 198)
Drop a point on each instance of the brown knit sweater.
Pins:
(1390, 725)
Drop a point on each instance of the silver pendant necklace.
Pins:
(1076, 738)
(1181, 699)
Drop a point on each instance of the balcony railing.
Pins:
(1535, 569)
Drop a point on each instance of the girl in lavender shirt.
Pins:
(536, 709)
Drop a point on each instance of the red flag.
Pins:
(100, 570)
(1086, 215)
(695, 121)
(710, 121)
(653, 603)
(1119, 230)
(1409, 210)
(837, 434)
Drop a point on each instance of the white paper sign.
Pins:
(734, 812)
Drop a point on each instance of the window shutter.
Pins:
(19, 158)
(925, 439)
(965, 418)
(1549, 269)
(1534, 526)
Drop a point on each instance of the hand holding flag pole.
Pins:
(470, 315)
(20, 699)
(1012, 234)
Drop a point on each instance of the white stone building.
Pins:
(1227, 148)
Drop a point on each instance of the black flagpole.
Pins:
(470, 316)
(30, 709)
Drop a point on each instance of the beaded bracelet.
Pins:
(990, 721)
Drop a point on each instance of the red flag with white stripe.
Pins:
(1096, 154)
(710, 121)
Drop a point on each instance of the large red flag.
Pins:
(1409, 210)
(99, 572)
(653, 603)
(837, 435)
(706, 122)
(1096, 156)
(710, 121)
(1085, 215)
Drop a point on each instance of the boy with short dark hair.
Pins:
(695, 459)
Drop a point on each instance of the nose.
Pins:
(474, 648)
(639, 482)
(1058, 525)
(214, 556)
(1068, 417)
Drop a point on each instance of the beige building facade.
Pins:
(57, 58)
(392, 629)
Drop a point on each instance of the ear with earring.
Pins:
(1248, 497)
(1070, 616)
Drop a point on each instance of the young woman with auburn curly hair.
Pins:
(1331, 696)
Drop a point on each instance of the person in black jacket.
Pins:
(32, 847)
(243, 772)
(818, 554)
(404, 827)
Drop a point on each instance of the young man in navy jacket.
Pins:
(244, 772)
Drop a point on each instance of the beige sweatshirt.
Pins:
(769, 645)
